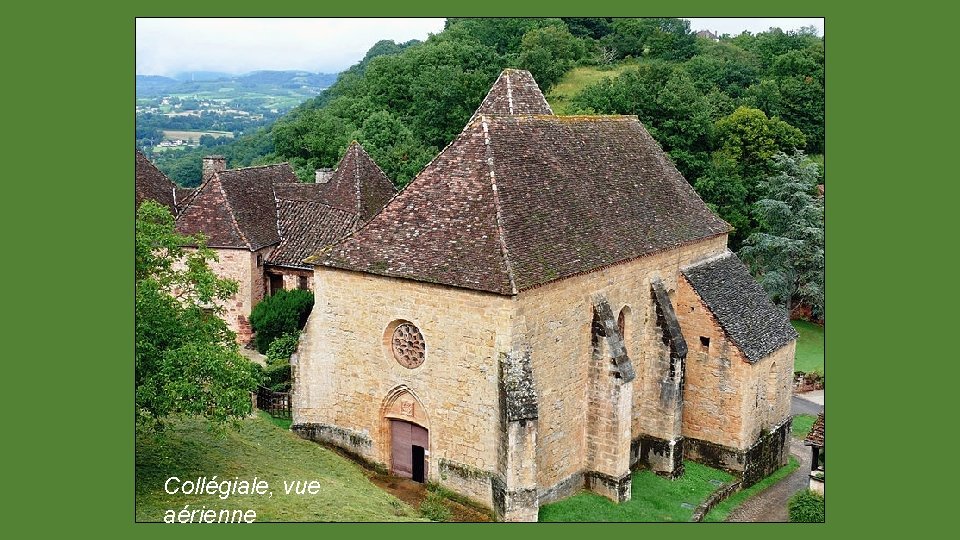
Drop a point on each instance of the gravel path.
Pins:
(770, 505)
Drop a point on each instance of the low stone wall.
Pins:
(354, 443)
(714, 499)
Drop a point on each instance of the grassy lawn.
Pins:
(263, 449)
(802, 424)
(722, 510)
(575, 80)
(809, 347)
(654, 498)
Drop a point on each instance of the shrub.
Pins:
(433, 508)
(285, 312)
(806, 507)
(276, 377)
(282, 348)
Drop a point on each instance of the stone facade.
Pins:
(592, 419)
(242, 265)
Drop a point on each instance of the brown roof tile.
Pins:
(518, 201)
(237, 207)
(152, 184)
(514, 92)
(815, 437)
(358, 185)
(308, 226)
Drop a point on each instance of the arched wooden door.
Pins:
(409, 446)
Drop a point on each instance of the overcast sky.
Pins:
(170, 46)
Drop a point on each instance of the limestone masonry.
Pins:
(547, 306)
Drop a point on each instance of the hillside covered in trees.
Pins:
(738, 116)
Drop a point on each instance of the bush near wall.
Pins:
(285, 312)
(806, 507)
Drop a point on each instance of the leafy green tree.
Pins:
(751, 139)
(722, 188)
(549, 53)
(786, 253)
(393, 147)
(653, 37)
(186, 359)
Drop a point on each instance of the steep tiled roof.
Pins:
(152, 184)
(307, 226)
(518, 201)
(514, 92)
(237, 207)
(358, 185)
(741, 306)
(815, 437)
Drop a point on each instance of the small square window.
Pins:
(705, 342)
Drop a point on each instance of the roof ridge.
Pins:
(707, 260)
(233, 216)
(257, 167)
(496, 205)
(356, 174)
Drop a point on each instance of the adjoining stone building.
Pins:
(546, 306)
(262, 222)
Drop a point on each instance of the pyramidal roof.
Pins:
(358, 185)
(514, 92)
(237, 207)
(519, 200)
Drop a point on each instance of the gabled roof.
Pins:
(237, 207)
(151, 183)
(306, 225)
(518, 201)
(740, 305)
(815, 437)
(358, 185)
(514, 92)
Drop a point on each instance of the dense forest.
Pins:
(742, 118)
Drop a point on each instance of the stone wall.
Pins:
(729, 401)
(556, 319)
(241, 265)
(345, 369)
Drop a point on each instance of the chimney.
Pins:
(212, 164)
(324, 175)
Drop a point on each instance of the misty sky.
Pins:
(169, 46)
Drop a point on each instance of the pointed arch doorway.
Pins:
(407, 429)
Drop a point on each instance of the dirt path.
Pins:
(770, 505)
(414, 493)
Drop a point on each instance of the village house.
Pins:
(262, 222)
(547, 306)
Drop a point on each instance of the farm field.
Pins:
(193, 136)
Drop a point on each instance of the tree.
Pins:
(786, 254)
(186, 359)
(549, 53)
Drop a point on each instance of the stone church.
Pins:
(547, 306)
